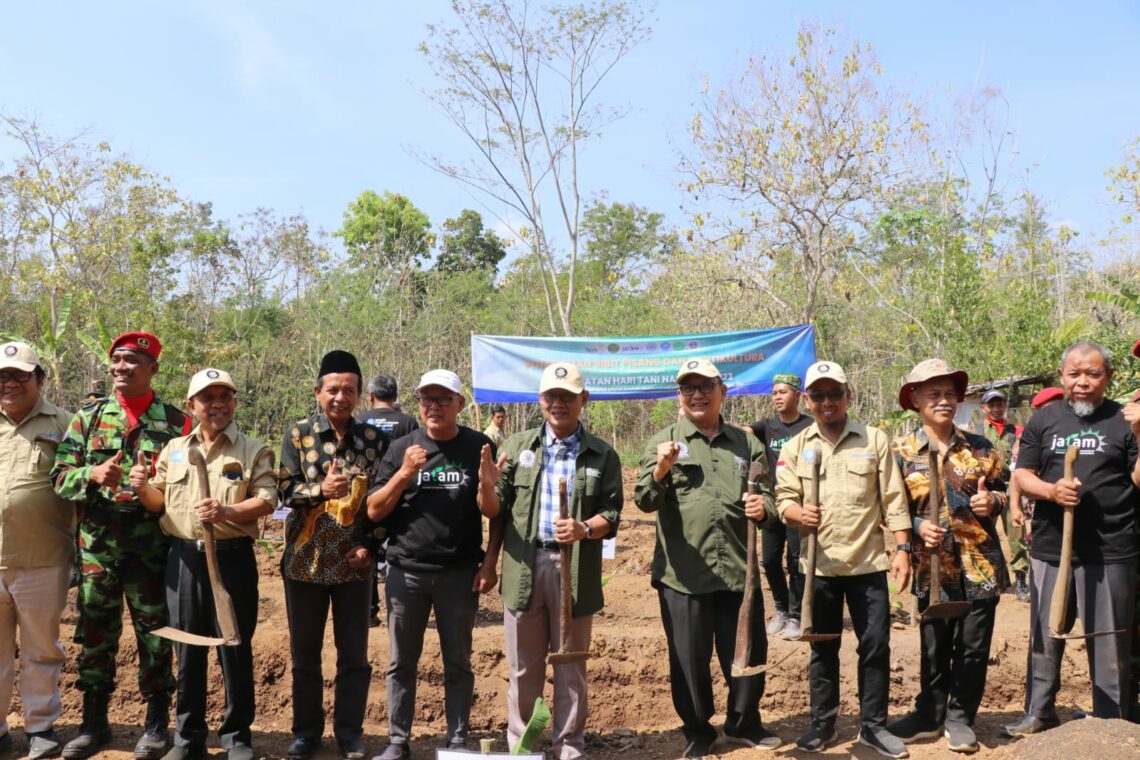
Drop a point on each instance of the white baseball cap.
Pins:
(562, 375)
(207, 377)
(824, 371)
(444, 378)
(702, 367)
(19, 356)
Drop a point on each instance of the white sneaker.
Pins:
(777, 624)
(792, 630)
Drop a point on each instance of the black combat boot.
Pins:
(94, 731)
(1020, 587)
(156, 736)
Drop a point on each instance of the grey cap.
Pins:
(991, 394)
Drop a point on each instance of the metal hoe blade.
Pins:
(185, 637)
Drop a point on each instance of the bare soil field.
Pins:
(631, 714)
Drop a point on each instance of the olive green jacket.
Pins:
(596, 491)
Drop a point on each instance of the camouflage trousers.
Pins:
(117, 560)
(1018, 548)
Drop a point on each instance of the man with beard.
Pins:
(327, 460)
(861, 489)
(955, 652)
(774, 433)
(1105, 496)
(122, 549)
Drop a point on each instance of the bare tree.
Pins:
(523, 91)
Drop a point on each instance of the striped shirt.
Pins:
(558, 458)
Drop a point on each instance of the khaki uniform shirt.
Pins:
(701, 528)
(239, 468)
(36, 525)
(860, 489)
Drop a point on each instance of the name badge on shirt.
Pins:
(592, 472)
(177, 457)
(683, 450)
(809, 455)
(741, 463)
(526, 459)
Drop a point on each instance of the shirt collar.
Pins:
(230, 432)
(686, 428)
(571, 440)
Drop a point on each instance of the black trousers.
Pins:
(773, 540)
(694, 625)
(953, 661)
(869, 607)
(307, 605)
(191, 605)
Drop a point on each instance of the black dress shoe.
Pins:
(351, 749)
(1026, 726)
(303, 747)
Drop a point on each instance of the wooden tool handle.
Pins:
(807, 604)
(567, 607)
(936, 509)
(1058, 606)
(223, 604)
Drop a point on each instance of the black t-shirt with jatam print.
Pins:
(1104, 523)
(437, 523)
(774, 433)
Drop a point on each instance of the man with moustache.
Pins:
(774, 433)
(861, 489)
(431, 492)
(122, 549)
(36, 550)
(694, 475)
(243, 487)
(532, 464)
(1105, 494)
(955, 652)
(327, 460)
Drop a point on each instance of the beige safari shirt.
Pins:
(36, 526)
(861, 488)
(239, 468)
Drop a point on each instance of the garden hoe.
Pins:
(563, 654)
(807, 630)
(743, 653)
(938, 609)
(223, 604)
(1060, 627)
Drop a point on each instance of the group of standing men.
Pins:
(131, 461)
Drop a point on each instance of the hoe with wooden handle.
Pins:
(223, 604)
(743, 653)
(938, 609)
(1059, 627)
(564, 654)
(807, 630)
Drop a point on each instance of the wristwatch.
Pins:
(589, 530)
(904, 548)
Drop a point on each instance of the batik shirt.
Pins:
(973, 566)
(320, 532)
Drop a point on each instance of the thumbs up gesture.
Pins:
(335, 484)
(140, 473)
(109, 473)
(983, 502)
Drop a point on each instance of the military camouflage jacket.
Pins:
(320, 532)
(96, 433)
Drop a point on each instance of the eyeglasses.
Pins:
(835, 394)
(17, 375)
(441, 401)
(704, 388)
(552, 397)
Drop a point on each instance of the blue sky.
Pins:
(298, 107)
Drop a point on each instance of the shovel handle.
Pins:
(566, 608)
(1059, 605)
(807, 605)
(935, 509)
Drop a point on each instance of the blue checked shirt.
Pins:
(558, 459)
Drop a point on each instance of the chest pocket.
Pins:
(42, 455)
(686, 476)
(859, 477)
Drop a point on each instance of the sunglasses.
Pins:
(836, 394)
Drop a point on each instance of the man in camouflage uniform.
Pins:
(122, 549)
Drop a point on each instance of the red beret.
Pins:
(138, 341)
(1045, 396)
